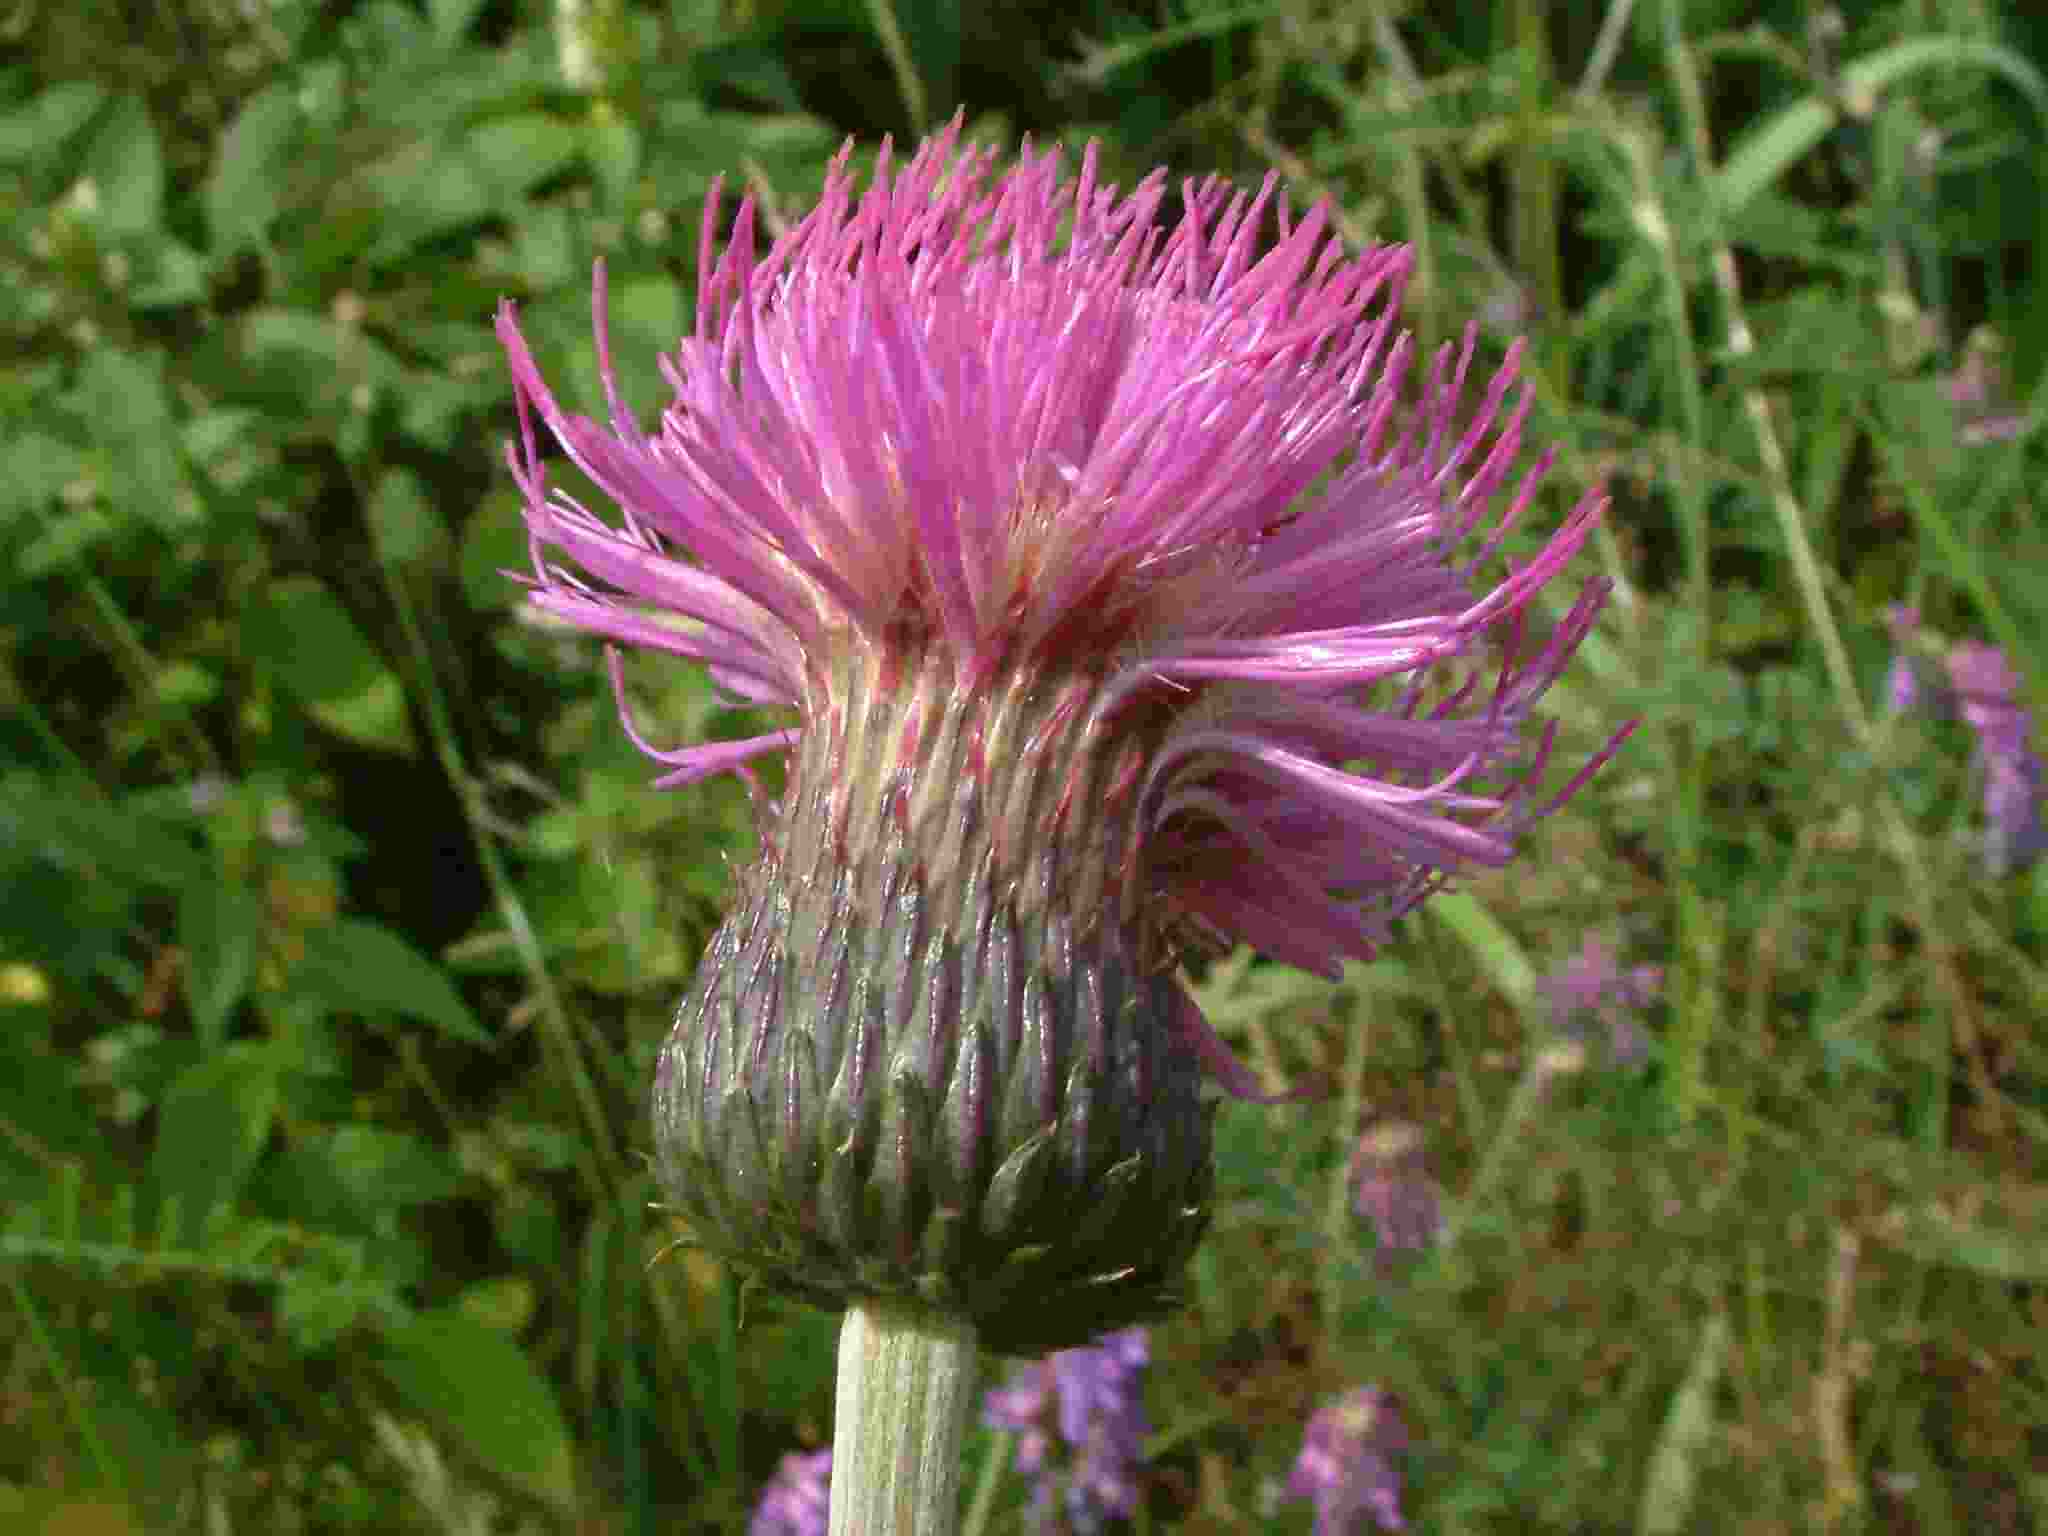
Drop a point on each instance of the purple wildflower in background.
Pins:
(1977, 390)
(1125, 598)
(1348, 1463)
(1589, 987)
(1393, 1190)
(1095, 1398)
(1988, 687)
(796, 1500)
(1908, 688)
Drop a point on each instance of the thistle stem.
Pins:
(905, 1380)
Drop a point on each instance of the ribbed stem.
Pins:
(905, 1380)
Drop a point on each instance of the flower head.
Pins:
(797, 1499)
(1907, 689)
(1977, 390)
(1122, 603)
(1095, 1397)
(1349, 1463)
(1392, 1189)
(1590, 987)
(1988, 687)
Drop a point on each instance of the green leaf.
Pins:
(504, 1303)
(1493, 948)
(315, 1310)
(361, 968)
(476, 1385)
(211, 1127)
(2005, 1239)
(36, 131)
(517, 152)
(307, 640)
(494, 542)
(125, 165)
(451, 18)
(39, 466)
(380, 1170)
(122, 401)
(245, 192)
(613, 145)
(1669, 1491)
(219, 923)
(1766, 152)
(403, 522)
(294, 360)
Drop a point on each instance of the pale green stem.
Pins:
(1401, 92)
(1813, 592)
(905, 1383)
(75, 1405)
(1695, 994)
(143, 670)
(984, 1501)
(908, 83)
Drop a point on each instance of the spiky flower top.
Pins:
(1111, 577)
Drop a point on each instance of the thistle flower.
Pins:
(1590, 987)
(1988, 687)
(1348, 1462)
(1095, 1395)
(1112, 588)
(1392, 1189)
(795, 1501)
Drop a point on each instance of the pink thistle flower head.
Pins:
(1116, 593)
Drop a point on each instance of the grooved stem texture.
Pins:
(905, 1382)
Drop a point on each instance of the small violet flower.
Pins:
(1908, 686)
(1589, 987)
(1988, 687)
(1977, 390)
(1347, 1464)
(1095, 1398)
(1393, 1189)
(797, 1498)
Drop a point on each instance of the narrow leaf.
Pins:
(476, 1385)
(358, 967)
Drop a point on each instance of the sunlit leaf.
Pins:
(475, 1384)
(360, 967)
(307, 641)
(211, 1127)
(246, 190)
(125, 166)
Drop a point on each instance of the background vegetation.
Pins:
(341, 928)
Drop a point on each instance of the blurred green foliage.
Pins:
(340, 925)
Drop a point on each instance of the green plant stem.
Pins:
(133, 657)
(104, 1464)
(1697, 926)
(1402, 91)
(909, 85)
(984, 1501)
(555, 1030)
(31, 712)
(1806, 573)
(905, 1382)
